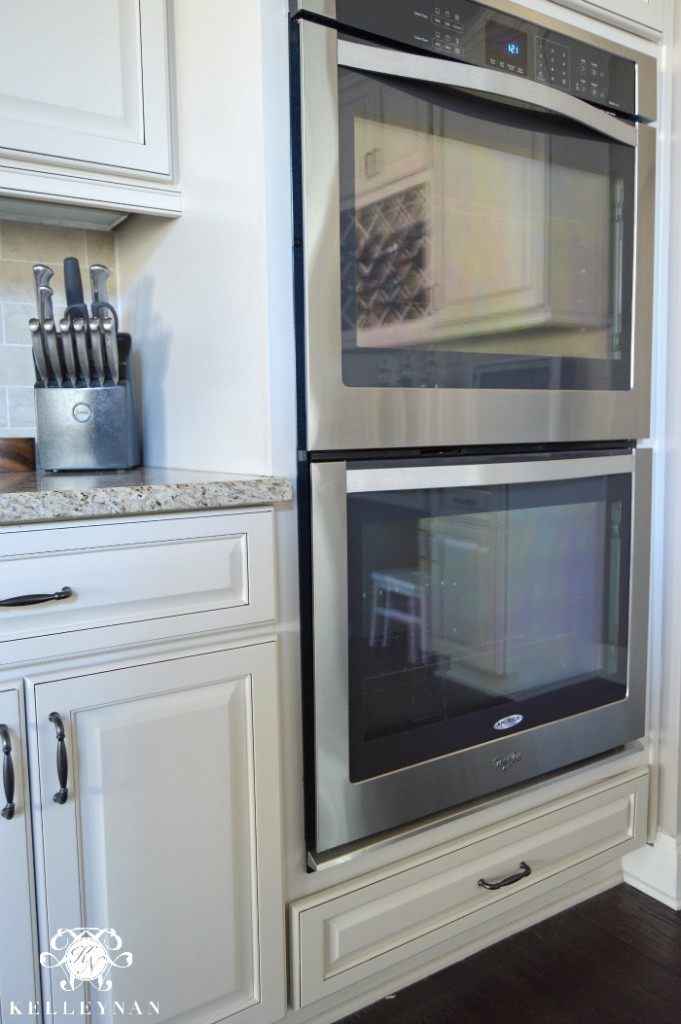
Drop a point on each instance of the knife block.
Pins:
(87, 428)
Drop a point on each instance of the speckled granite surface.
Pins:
(40, 497)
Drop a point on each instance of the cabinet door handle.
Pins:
(7, 773)
(525, 870)
(62, 760)
(24, 599)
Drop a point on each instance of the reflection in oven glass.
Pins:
(496, 605)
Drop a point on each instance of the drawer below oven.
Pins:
(216, 571)
(352, 932)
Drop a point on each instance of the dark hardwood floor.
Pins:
(614, 959)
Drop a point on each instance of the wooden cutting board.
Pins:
(17, 454)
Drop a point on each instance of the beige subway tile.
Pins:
(16, 282)
(40, 243)
(21, 408)
(16, 365)
(100, 247)
(15, 317)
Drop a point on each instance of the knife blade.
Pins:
(97, 349)
(35, 327)
(67, 343)
(80, 334)
(111, 346)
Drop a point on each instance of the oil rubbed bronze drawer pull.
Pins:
(525, 870)
(7, 773)
(62, 760)
(25, 599)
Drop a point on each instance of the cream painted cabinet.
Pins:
(148, 872)
(85, 103)
(166, 830)
(447, 903)
(18, 962)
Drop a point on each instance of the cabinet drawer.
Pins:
(215, 570)
(350, 933)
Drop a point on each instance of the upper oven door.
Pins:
(476, 258)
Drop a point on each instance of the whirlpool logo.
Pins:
(507, 761)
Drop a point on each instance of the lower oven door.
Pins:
(475, 624)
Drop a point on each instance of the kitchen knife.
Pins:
(80, 333)
(35, 328)
(97, 349)
(52, 346)
(108, 327)
(73, 286)
(99, 275)
(68, 351)
(45, 294)
(42, 276)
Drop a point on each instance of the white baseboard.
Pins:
(655, 869)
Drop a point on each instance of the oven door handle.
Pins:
(467, 76)
(413, 477)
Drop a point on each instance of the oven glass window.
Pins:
(482, 245)
(478, 610)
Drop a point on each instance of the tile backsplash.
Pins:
(21, 246)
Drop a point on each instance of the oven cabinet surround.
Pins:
(170, 829)
(433, 904)
(91, 123)
(643, 16)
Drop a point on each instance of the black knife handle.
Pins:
(73, 282)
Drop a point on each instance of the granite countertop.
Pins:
(40, 497)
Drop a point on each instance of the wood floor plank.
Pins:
(614, 959)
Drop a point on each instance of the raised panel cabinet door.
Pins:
(169, 835)
(86, 81)
(18, 944)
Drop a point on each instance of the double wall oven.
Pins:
(474, 214)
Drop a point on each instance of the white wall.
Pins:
(194, 291)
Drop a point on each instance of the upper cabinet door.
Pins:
(86, 81)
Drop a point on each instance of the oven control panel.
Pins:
(468, 31)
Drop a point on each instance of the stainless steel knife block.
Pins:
(88, 428)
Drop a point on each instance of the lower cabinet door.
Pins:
(18, 946)
(161, 850)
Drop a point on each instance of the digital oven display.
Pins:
(506, 47)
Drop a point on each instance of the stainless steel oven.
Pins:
(476, 622)
(474, 225)
(473, 254)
